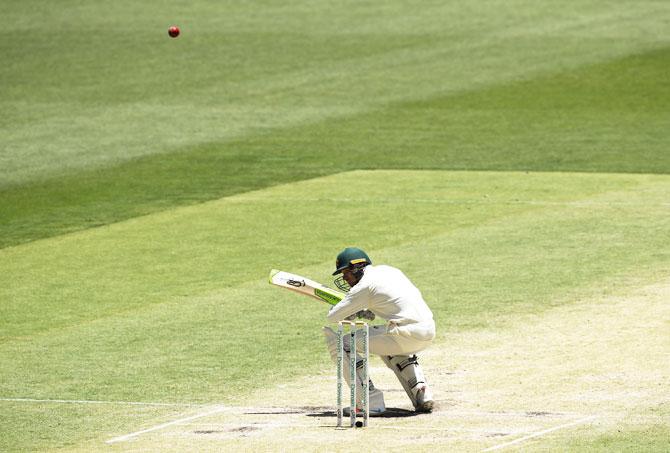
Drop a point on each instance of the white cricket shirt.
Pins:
(389, 294)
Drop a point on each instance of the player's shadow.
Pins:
(390, 412)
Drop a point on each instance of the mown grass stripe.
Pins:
(606, 117)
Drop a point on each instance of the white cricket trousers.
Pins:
(392, 340)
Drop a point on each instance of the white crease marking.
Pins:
(539, 434)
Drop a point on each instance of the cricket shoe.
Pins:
(375, 403)
(374, 411)
(424, 400)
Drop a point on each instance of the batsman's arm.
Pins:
(354, 302)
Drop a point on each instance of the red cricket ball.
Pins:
(173, 31)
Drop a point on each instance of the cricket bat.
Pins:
(305, 286)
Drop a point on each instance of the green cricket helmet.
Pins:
(355, 260)
(351, 257)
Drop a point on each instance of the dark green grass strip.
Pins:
(609, 117)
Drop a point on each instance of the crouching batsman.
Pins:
(385, 292)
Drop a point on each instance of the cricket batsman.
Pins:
(385, 292)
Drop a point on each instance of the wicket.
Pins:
(365, 397)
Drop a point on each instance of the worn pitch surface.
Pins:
(576, 371)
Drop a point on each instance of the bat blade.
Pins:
(305, 286)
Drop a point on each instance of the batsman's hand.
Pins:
(366, 314)
(363, 314)
(351, 317)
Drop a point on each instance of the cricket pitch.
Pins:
(538, 382)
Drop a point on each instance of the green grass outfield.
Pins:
(511, 157)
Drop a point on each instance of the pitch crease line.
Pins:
(165, 425)
(539, 434)
(125, 403)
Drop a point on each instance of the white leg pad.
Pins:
(409, 373)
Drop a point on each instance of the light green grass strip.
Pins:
(74, 278)
(220, 244)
